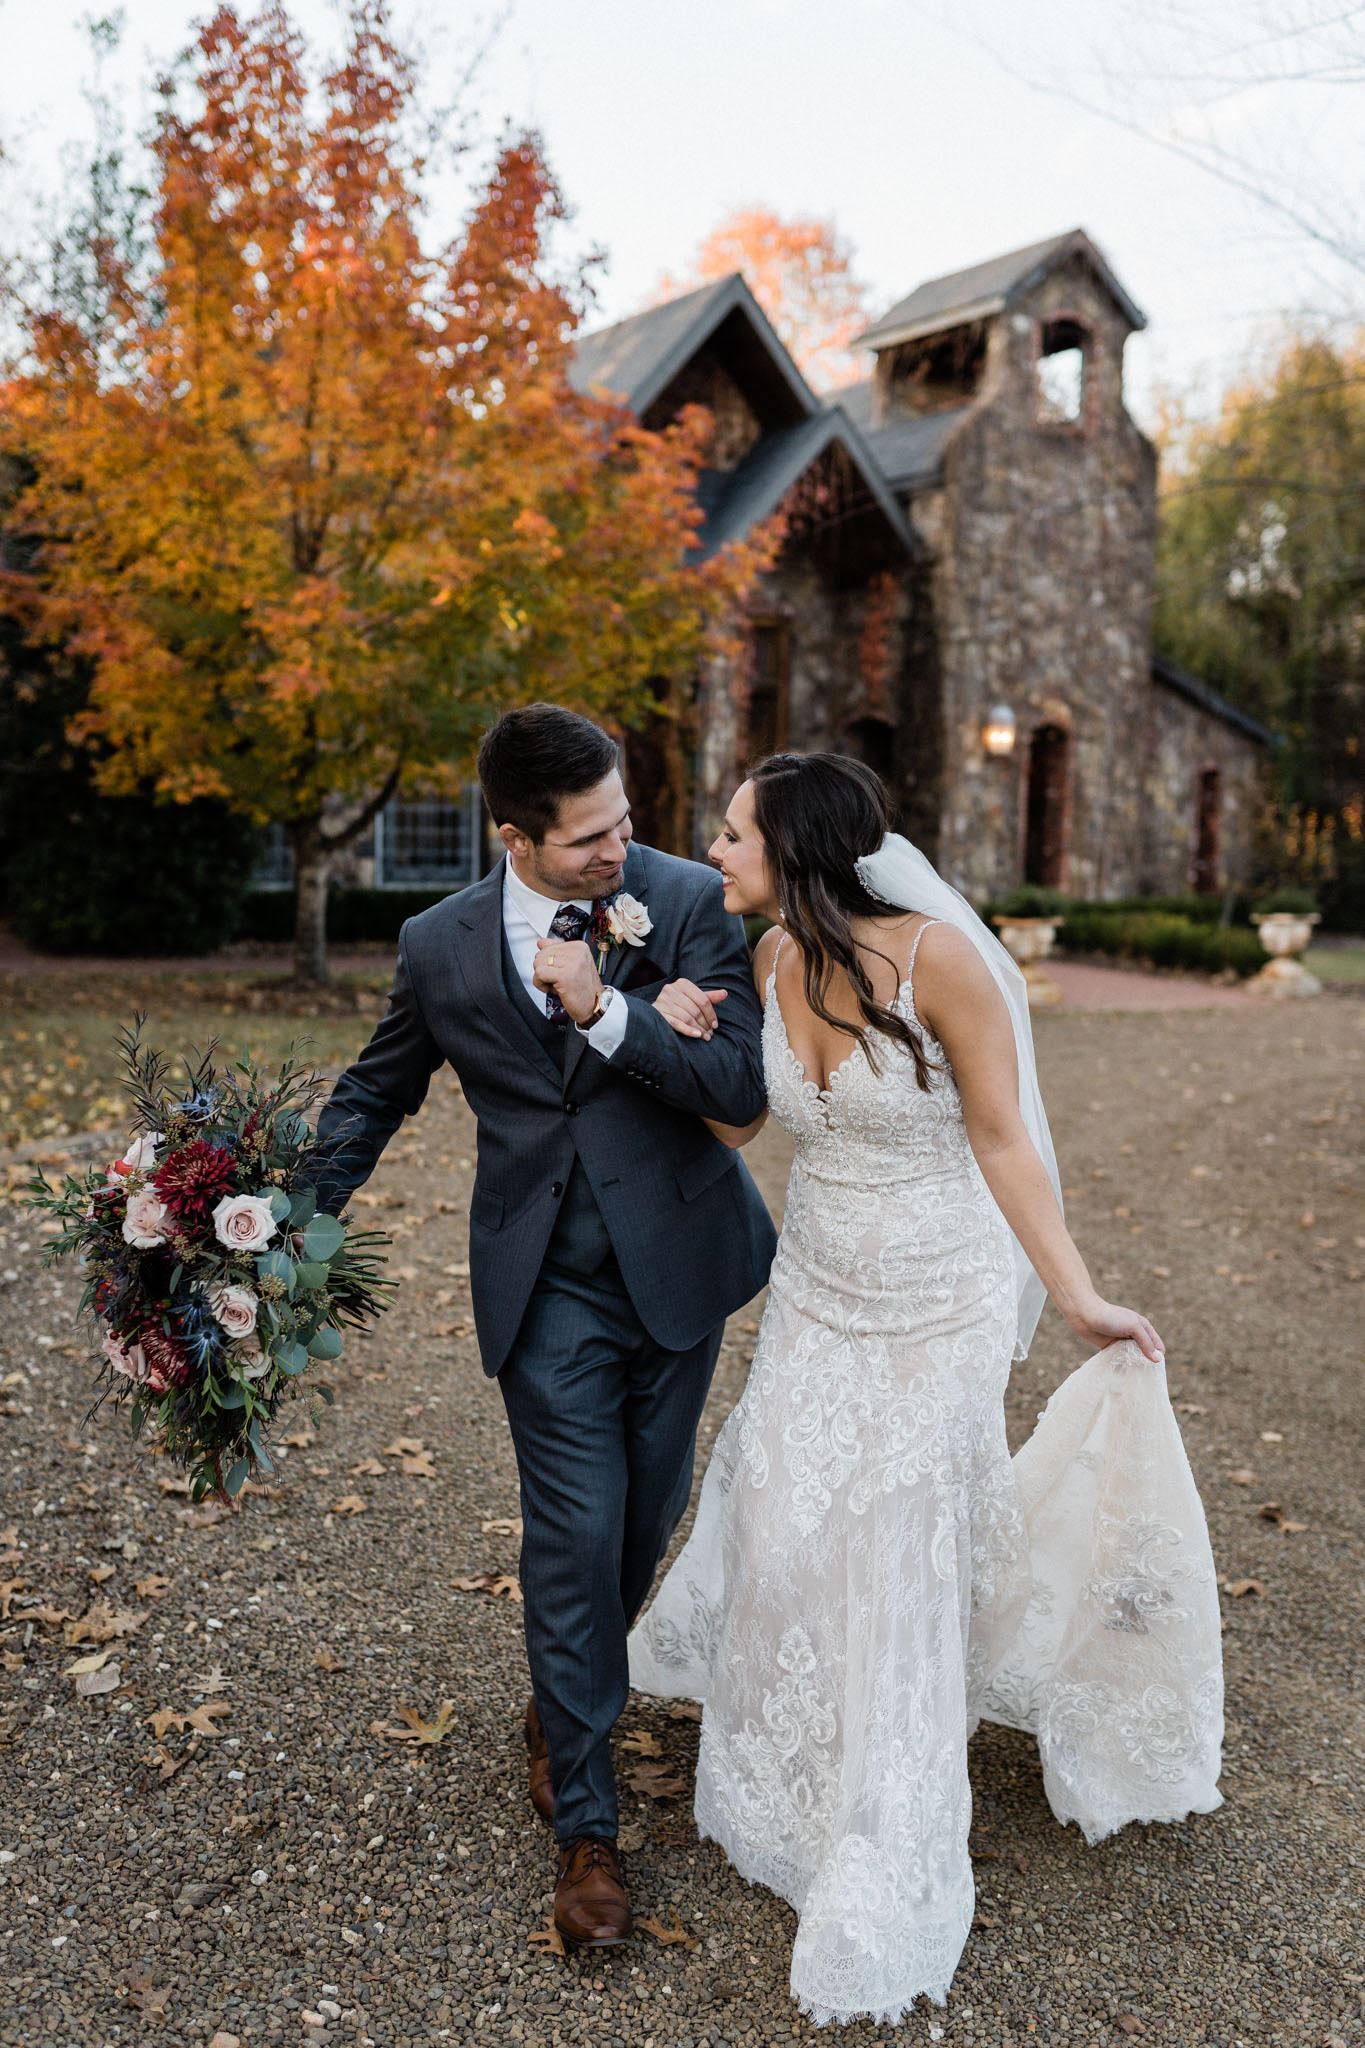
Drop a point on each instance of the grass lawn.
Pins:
(60, 1069)
(1337, 960)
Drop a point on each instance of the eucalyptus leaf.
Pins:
(325, 1342)
(326, 1392)
(313, 1274)
(233, 1482)
(303, 1206)
(323, 1238)
(233, 1397)
(280, 1205)
(292, 1358)
(279, 1263)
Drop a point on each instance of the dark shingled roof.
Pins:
(990, 287)
(1196, 692)
(639, 357)
(908, 448)
(739, 500)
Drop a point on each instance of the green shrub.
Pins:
(1163, 937)
(1301, 901)
(1030, 900)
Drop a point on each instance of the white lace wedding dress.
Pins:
(870, 1574)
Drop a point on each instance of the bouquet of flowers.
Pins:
(210, 1271)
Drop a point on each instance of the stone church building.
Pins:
(963, 597)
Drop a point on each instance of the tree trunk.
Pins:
(312, 867)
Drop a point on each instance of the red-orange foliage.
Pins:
(801, 273)
(316, 500)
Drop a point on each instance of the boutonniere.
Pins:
(623, 921)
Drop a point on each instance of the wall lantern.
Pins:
(997, 734)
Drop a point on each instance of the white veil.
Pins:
(898, 873)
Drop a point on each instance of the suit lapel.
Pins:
(479, 909)
(618, 958)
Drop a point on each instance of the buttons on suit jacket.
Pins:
(557, 1187)
(572, 1108)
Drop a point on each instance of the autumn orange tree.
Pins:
(315, 501)
(801, 273)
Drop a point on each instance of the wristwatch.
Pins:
(604, 1003)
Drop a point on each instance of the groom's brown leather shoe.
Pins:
(541, 1785)
(591, 1906)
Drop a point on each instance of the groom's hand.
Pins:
(567, 966)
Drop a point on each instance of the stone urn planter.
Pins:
(1028, 941)
(1284, 934)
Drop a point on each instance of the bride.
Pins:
(869, 1574)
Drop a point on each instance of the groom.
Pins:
(609, 1233)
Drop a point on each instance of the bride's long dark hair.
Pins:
(817, 815)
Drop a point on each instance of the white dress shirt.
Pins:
(526, 917)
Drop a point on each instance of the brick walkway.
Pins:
(1091, 985)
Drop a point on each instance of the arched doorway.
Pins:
(1208, 831)
(1045, 807)
(873, 741)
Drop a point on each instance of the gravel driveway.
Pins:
(284, 1867)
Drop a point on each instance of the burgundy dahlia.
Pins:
(193, 1179)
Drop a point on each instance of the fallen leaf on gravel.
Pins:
(178, 1484)
(150, 2000)
(202, 1717)
(418, 1466)
(211, 1681)
(299, 1439)
(671, 1937)
(405, 1447)
(152, 1587)
(1288, 1528)
(107, 1679)
(1270, 1510)
(98, 1573)
(12, 1660)
(499, 1584)
(202, 1892)
(101, 1624)
(1237, 1587)
(49, 1616)
(1189, 1408)
(370, 1468)
(325, 1661)
(502, 1528)
(980, 1920)
(656, 1781)
(349, 1504)
(8, 1589)
(641, 1743)
(414, 1728)
(93, 1662)
(1246, 1477)
(685, 1710)
(548, 1938)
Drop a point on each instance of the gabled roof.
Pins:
(761, 481)
(908, 448)
(1201, 693)
(640, 357)
(988, 288)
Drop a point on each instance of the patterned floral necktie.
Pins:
(568, 922)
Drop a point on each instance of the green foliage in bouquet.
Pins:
(212, 1274)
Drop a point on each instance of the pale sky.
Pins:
(902, 119)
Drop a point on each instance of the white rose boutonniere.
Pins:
(623, 921)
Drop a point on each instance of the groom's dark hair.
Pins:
(534, 757)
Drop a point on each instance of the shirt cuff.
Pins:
(606, 1034)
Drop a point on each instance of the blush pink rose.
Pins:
(234, 1308)
(145, 1221)
(244, 1222)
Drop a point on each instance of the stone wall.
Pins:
(1183, 742)
(1043, 537)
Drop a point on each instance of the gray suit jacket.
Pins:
(690, 1231)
